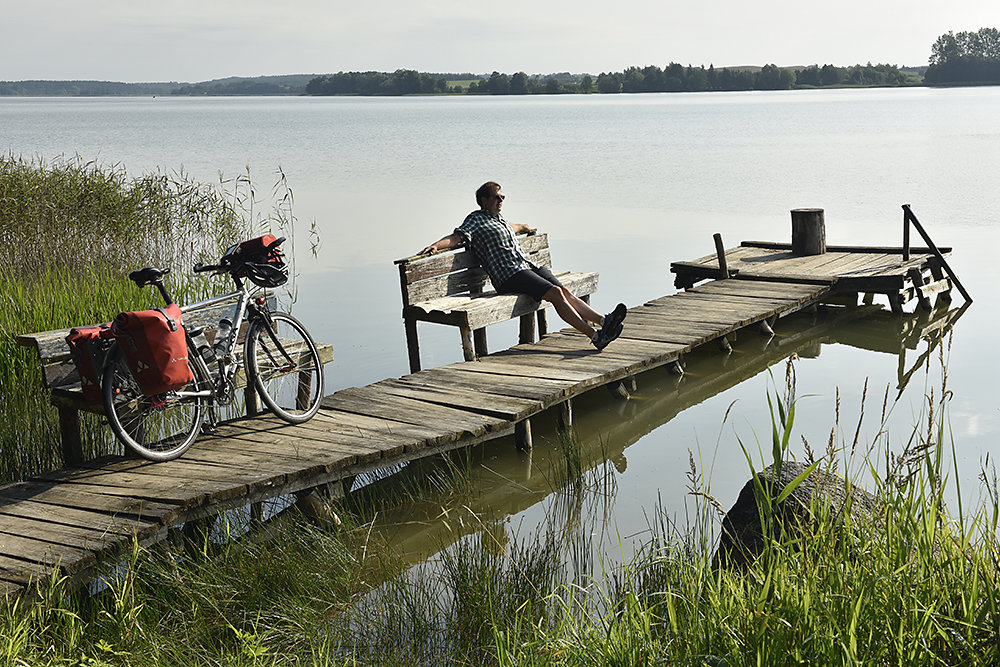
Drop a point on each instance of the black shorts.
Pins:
(534, 282)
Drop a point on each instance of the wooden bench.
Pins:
(60, 377)
(451, 288)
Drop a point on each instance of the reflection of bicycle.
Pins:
(278, 357)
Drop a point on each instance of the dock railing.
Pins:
(910, 219)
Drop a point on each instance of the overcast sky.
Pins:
(198, 40)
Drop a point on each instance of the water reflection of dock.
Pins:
(509, 484)
(71, 519)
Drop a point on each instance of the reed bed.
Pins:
(70, 232)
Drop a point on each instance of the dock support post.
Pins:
(676, 367)
(724, 344)
(252, 400)
(917, 278)
(623, 388)
(196, 533)
(720, 252)
(69, 433)
(527, 334)
(808, 231)
(566, 415)
(412, 346)
(938, 274)
(522, 435)
(543, 326)
(479, 338)
(468, 350)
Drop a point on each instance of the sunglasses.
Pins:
(500, 197)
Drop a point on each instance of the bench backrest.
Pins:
(457, 272)
(58, 369)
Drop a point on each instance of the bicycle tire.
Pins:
(289, 377)
(158, 428)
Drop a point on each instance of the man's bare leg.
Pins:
(565, 305)
(583, 308)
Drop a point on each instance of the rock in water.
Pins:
(742, 539)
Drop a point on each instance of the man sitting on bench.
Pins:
(491, 238)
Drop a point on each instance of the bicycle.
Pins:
(279, 358)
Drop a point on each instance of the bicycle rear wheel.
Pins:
(160, 427)
(284, 365)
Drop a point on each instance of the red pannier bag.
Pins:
(89, 347)
(155, 348)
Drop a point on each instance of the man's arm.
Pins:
(518, 228)
(451, 241)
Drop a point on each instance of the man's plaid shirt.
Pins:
(493, 241)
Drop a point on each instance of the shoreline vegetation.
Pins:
(962, 59)
(87, 226)
(916, 585)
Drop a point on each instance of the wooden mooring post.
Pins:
(808, 231)
(720, 251)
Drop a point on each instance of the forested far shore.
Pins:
(965, 58)
(673, 78)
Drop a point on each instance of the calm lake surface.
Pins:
(623, 185)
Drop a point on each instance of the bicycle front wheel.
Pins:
(160, 427)
(284, 365)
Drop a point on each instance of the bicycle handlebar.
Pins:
(229, 266)
(202, 268)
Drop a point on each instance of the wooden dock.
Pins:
(74, 519)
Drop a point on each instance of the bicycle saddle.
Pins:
(148, 276)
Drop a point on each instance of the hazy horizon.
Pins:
(59, 40)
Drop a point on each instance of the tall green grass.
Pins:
(70, 232)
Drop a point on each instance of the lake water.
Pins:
(623, 185)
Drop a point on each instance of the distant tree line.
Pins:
(677, 78)
(523, 84)
(400, 82)
(966, 57)
(83, 88)
(650, 79)
(242, 87)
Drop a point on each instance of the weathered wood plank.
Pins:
(56, 494)
(533, 388)
(71, 516)
(422, 436)
(374, 403)
(503, 408)
(895, 250)
(69, 559)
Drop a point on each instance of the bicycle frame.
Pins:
(245, 309)
(248, 309)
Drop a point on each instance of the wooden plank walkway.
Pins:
(849, 269)
(74, 519)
